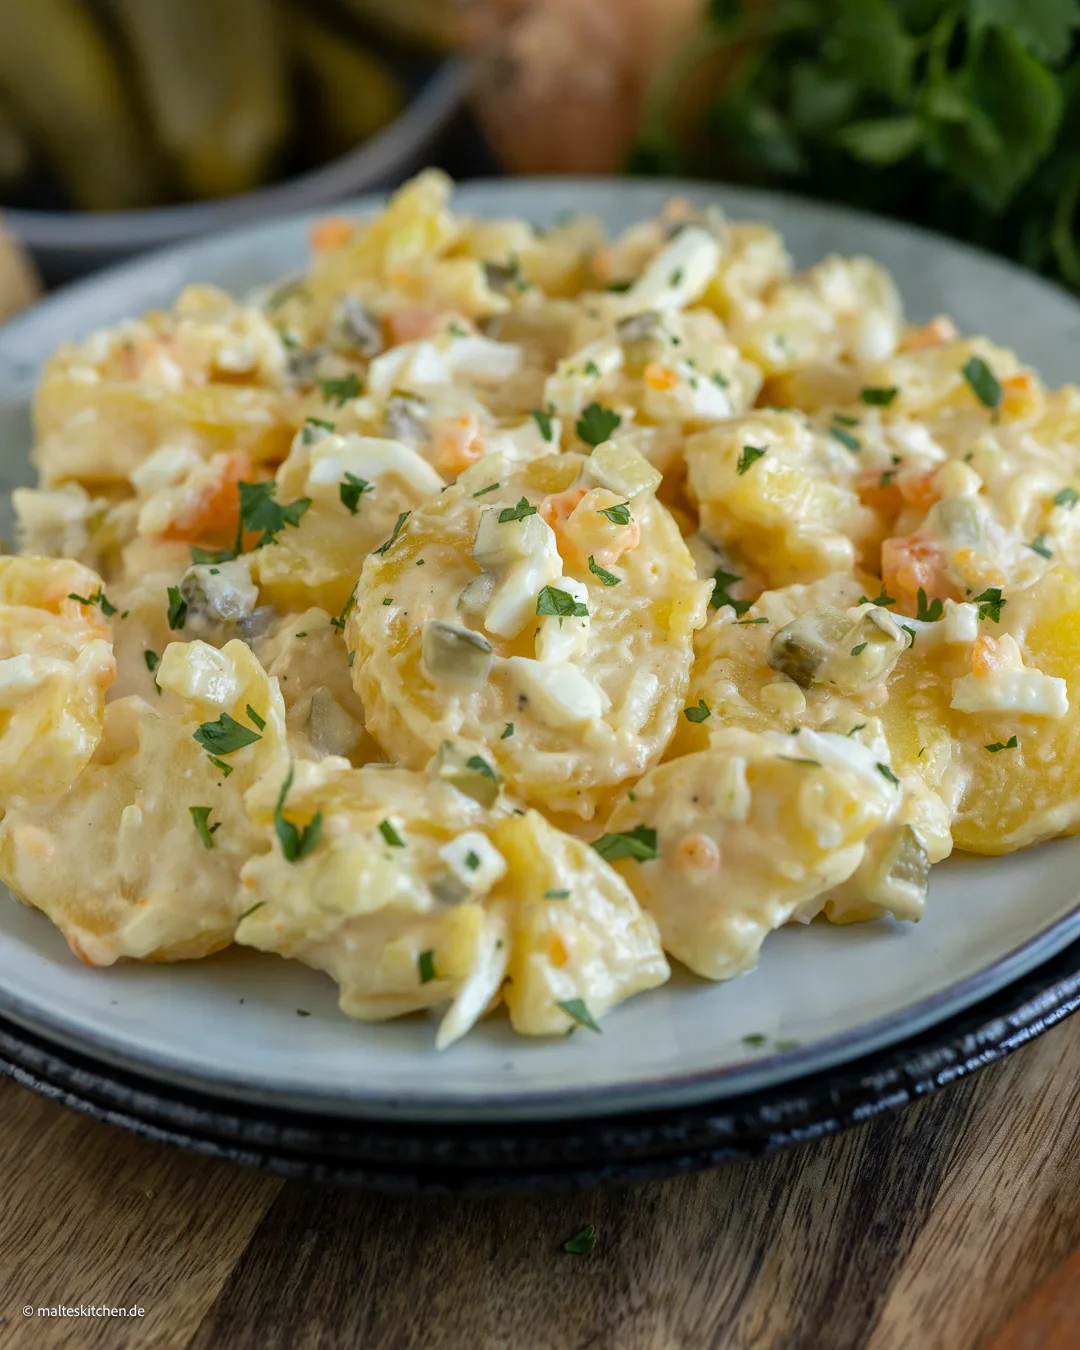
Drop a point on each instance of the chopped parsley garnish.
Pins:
(591, 368)
(990, 603)
(844, 420)
(524, 508)
(720, 597)
(543, 421)
(859, 726)
(339, 622)
(1067, 497)
(508, 730)
(882, 598)
(740, 623)
(302, 1012)
(425, 966)
(639, 843)
(718, 380)
(491, 487)
(226, 769)
(553, 601)
(389, 600)
(608, 578)
(749, 455)
(1038, 546)
(556, 895)
(596, 424)
(928, 613)
(620, 287)
(151, 659)
(887, 774)
(254, 717)
(846, 439)
(260, 513)
(698, 714)
(755, 1040)
(351, 489)
(911, 632)
(676, 277)
(577, 1009)
(796, 759)
(402, 518)
(98, 598)
(204, 556)
(225, 736)
(456, 330)
(857, 651)
(390, 834)
(878, 397)
(472, 860)
(310, 425)
(177, 608)
(480, 765)
(200, 816)
(582, 1242)
(340, 391)
(887, 475)
(1010, 744)
(618, 514)
(248, 912)
(984, 383)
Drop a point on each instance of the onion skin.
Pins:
(558, 85)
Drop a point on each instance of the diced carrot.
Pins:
(458, 445)
(660, 378)
(330, 233)
(917, 487)
(880, 496)
(557, 507)
(213, 516)
(911, 564)
(986, 656)
(938, 330)
(1019, 394)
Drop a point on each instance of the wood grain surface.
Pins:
(920, 1230)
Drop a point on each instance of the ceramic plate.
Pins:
(820, 995)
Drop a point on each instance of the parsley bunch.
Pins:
(961, 114)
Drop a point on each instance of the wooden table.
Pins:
(920, 1230)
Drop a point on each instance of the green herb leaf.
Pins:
(524, 508)
(339, 622)
(178, 609)
(340, 391)
(618, 514)
(878, 396)
(990, 603)
(608, 578)
(508, 730)
(592, 370)
(425, 966)
(556, 895)
(1038, 546)
(254, 717)
(225, 736)
(480, 765)
(398, 527)
(698, 714)
(888, 774)
(351, 489)
(882, 598)
(491, 487)
(846, 439)
(208, 556)
(1010, 744)
(582, 1242)
(151, 659)
(596, 424)
(720, 597)
(1067, 497)
(748, 456)
(391, 835)
(577, 1009)
(226, 769)
(553, 601)
(872, 45)
(761, 618)
(857, 651)
(638, 843)
(200, 816)
(928, 613)
(984, 383)
(261, 514)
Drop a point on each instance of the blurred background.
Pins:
(131, 123)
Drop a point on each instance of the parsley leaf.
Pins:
(200, 816)
(1038, 545)
(990, 603)
(425, 966)
(340, 391)
(391, 835)
(720, 597)
(1010, 744)
(339, 622)
(582, 1242)
(608, 578)
(254, 717)
(207, 556)
(882, 598)
(225, 736)
(846, 439)
(887, 774)
(177, 609)
(402, 518)
(749, 455)
(858, 651)
(878, 397)
(311, 425)
(553, 601)
(508, 730)
(928, 613)
(698, 714)
(260, 513)
(556, 895)
(480, 765)
(543, 421)
(577, 1009)
(351, 489)
(524, 508)
(618, 514)
(639, 843)
(984, 383)
(1067, 497)
(592, 370)
(491, 487)
(98, 598)
(295, 844)
(596, 424)
(151, 659)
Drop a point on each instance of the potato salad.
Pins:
(490, 614)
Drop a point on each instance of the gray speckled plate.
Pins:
(820, 996)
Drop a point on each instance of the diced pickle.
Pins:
(893, 878)
(406, 418)
(456, 656)
(802, 647)
(502, 543)
(219, 596)
(824, 646)
(617, 466)
(957, 520)
(476, 596)
(356, 328)
(470, 774)
(643, 340)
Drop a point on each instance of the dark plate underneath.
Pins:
(491, 1157)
